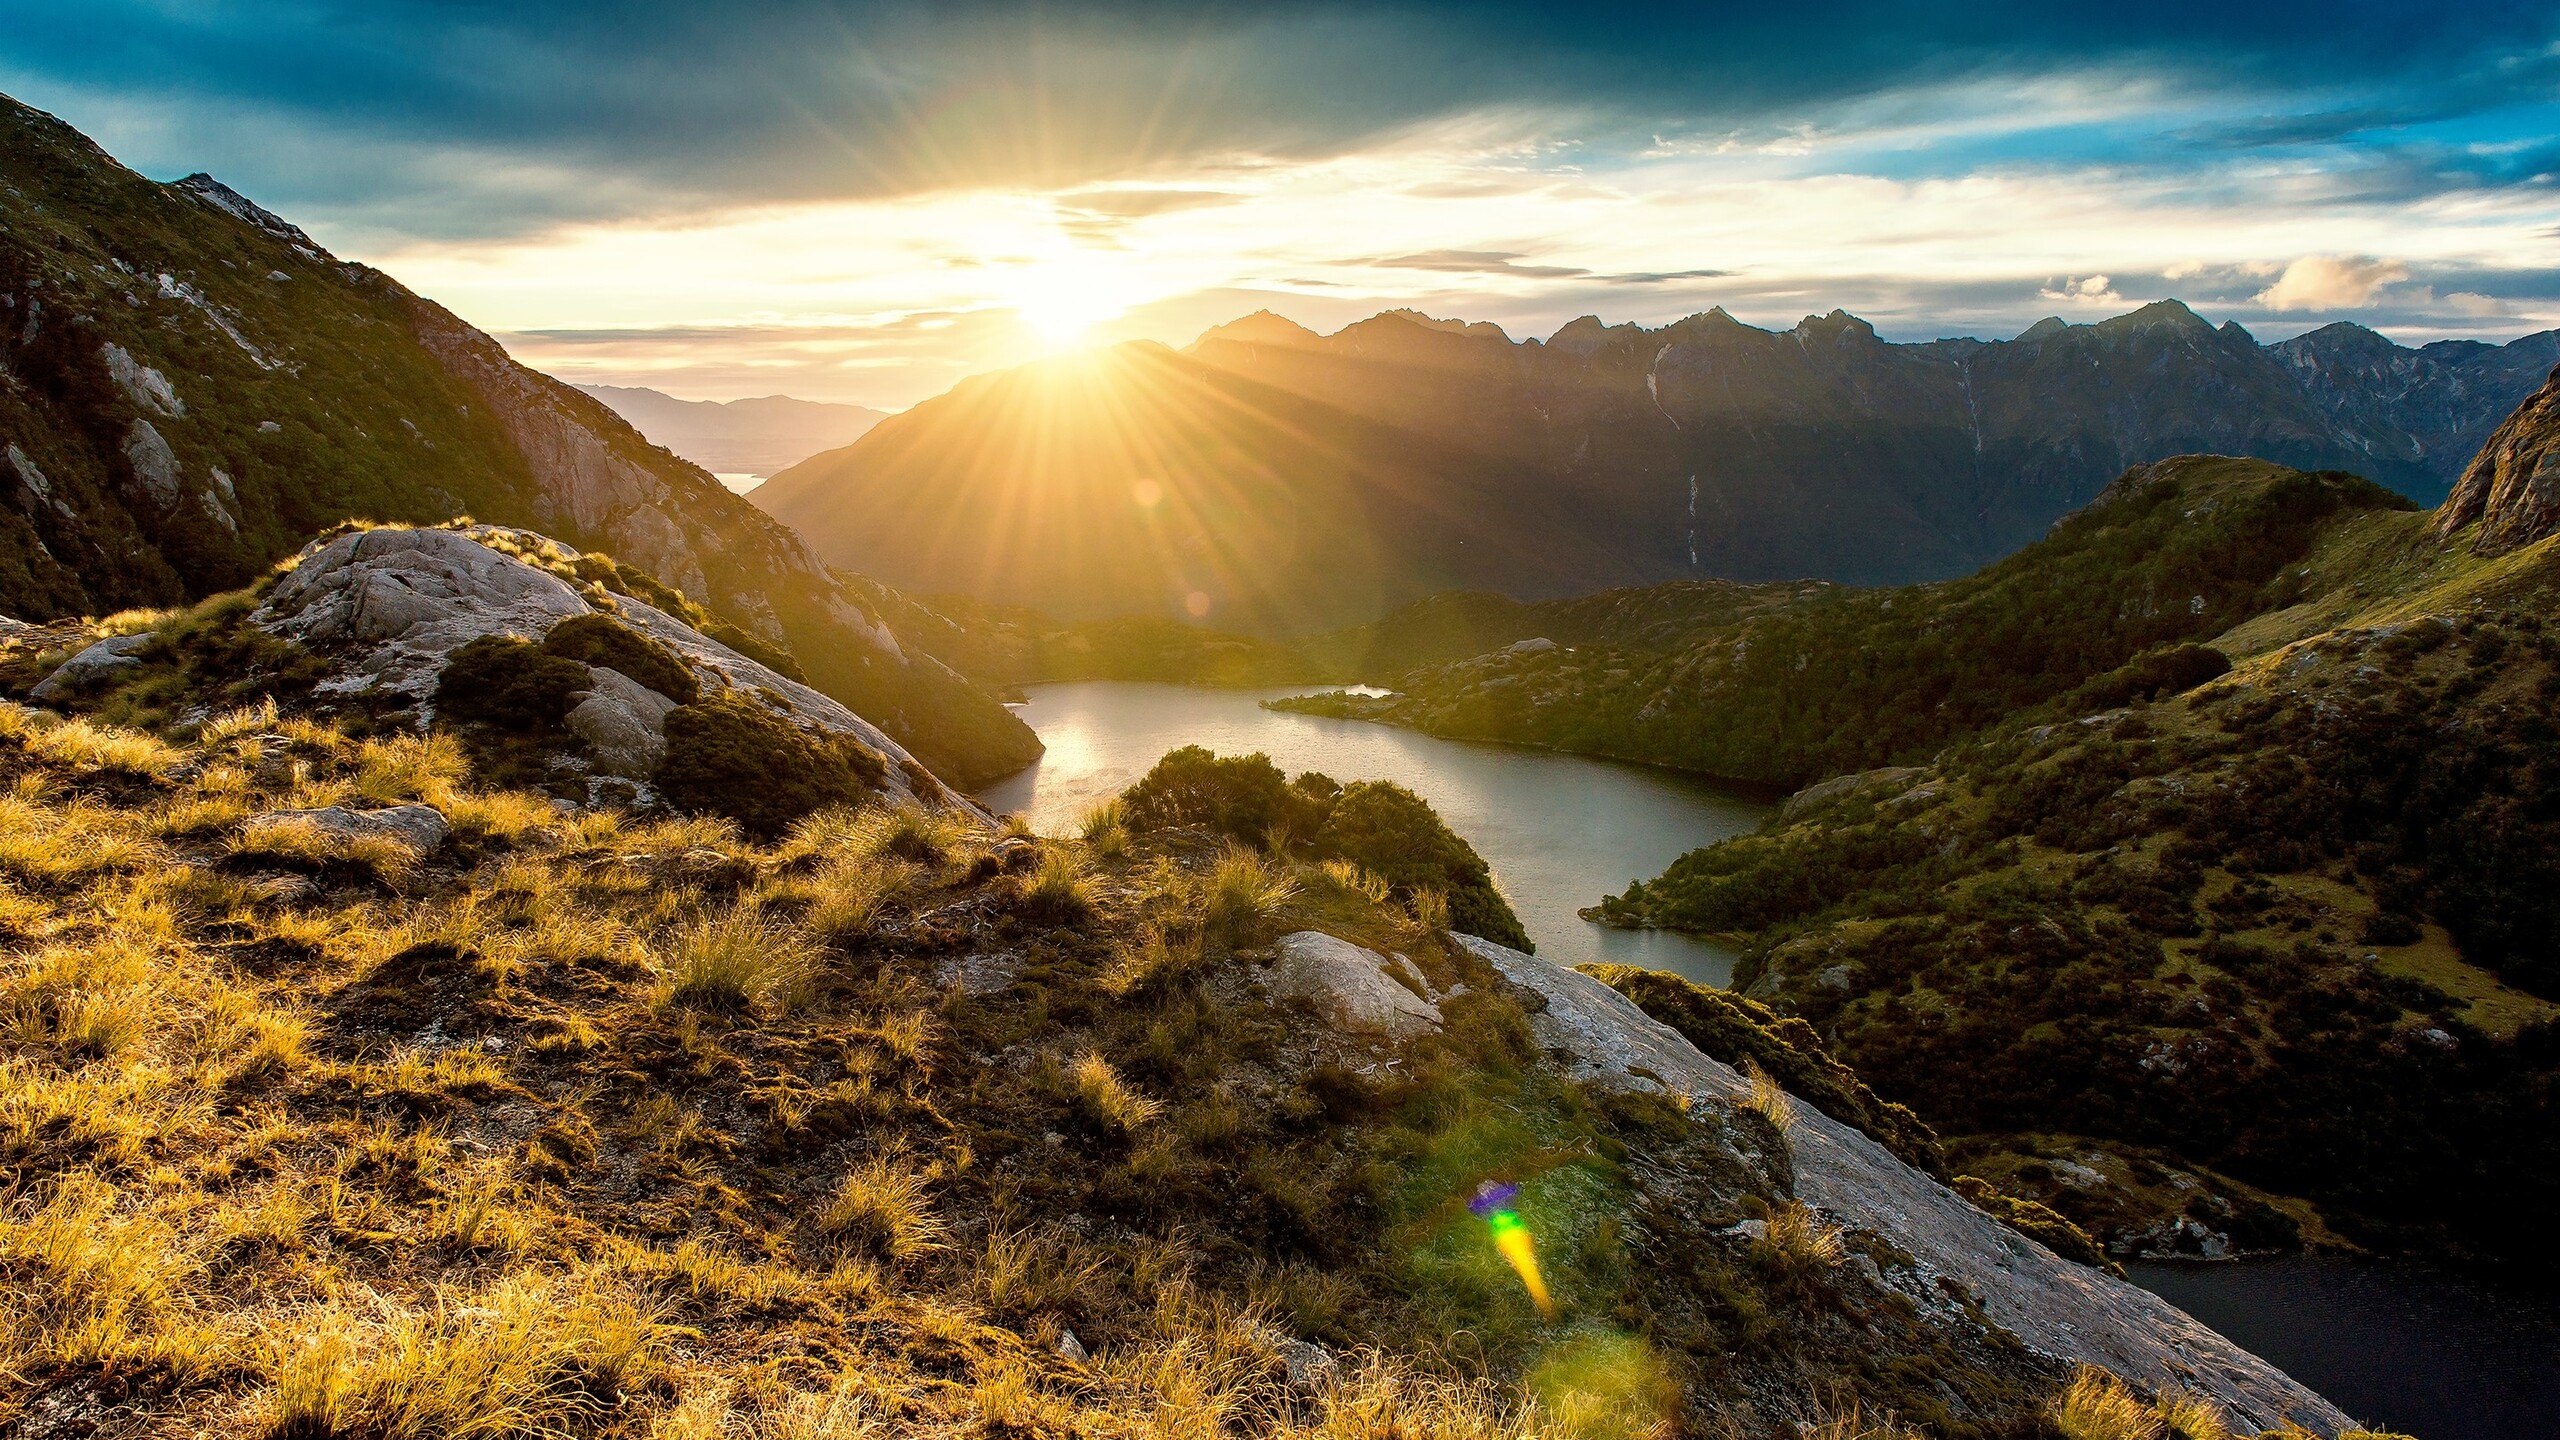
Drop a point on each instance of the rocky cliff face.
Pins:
(189, 388)
(2061, 1309)
(2512, 488)
(2432, 406)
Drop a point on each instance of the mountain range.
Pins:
(732, 438)
(191, 387)
(1273, 480)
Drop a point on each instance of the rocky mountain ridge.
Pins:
(190, 388)
(1304, 482)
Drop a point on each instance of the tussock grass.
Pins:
(1244, 895)
(1157, 960)
(905, 832)
(1058, 892)
(529, 1356)
(1348, 877)
(849, 897)
(81, 746)
(884, 1206)
(302, 845)
(1426, 911)
(735, 960)
(1767, 1099)
(1109, 1101)
(2191, 1416)
(2098, 1406)
(1801, 1240)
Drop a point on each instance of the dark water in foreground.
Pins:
(2399, 1347)
(1558, 830)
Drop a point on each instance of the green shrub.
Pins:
(509, 683)
(1241, 796)
(1393, 834)
(728, 755)
(605, 641)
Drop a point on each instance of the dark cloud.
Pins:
(1664, 277)
(470, 117)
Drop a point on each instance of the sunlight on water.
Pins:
(1559, 831)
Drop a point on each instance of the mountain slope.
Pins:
(1604, 455)
(2215, 835)
(189, 388)
(738, 437)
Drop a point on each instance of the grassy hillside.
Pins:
(189, 389)
(582, 1123)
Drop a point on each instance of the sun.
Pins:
(1062, 298)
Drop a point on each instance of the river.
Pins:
(1559, 831)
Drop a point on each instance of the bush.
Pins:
(512, 684)
(607, 642)
(1393, 834)
(1241, 796)
(728, 755)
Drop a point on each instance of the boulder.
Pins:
(624, 724)
(1350, 984)
(2063, 1309)
(90, 666)
(420, 827)
(392, 605)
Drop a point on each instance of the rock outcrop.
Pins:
(391, 606)
(2060, 1308)
(1352, 985)
(100, 661)
(416, 827)
(2512, 488)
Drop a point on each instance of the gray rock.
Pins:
(980, 972)
(141, 384)
(1351, 985)
(1070, 1348)
(1539, 646)
(2063, 1309)
(1891, 778)
(624, 723)
(99, 661)
(420, 827)
(154, 464)
(1312, 1368)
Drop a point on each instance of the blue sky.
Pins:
(866, 201)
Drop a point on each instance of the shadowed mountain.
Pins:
(190, 388)
(1311, 479)
(738, 437)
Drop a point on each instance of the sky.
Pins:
(866, 202)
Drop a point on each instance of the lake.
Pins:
(2400, 1347)
(1559, 831)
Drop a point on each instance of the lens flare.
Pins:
(1492, 1204)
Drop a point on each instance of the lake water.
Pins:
(2400, 1347)
(1559, 831)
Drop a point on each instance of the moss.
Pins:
(729, 755)
(1738, 1031)
(607, 642)
(2038, 1222)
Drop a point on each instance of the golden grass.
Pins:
(2098, 1406)
(1767, 1099)
(1244, 895)
(1058, 890)
(849, 897)
(1351, 878)
(735, 960)
(1802, 1241)
(83, 747)
(1155, 961)
(1109, 1101)
(886, 1207)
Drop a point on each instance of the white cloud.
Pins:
(2332, 282)
(2087, 290)
(2478, 307)
(2183, 270)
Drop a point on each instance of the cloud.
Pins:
(2086, 290)
(1663, 277)
(2331, 282)
(1474, 262)
(2478, 307)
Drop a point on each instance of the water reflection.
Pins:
(1559, 831)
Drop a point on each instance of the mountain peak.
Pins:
(2044, 329)
(2160, 314)
(1261, 328)
(240, 207)
(2512, 487)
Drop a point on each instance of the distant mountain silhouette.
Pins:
(738, 437)
(1309, 480)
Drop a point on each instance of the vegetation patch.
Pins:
(730, 755)
(601, 640)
